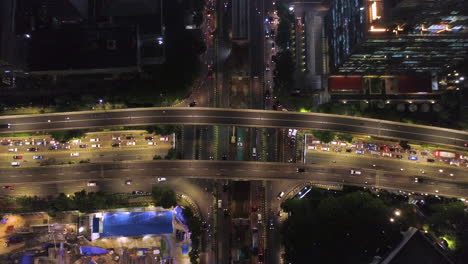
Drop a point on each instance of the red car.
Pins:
(9, 187)
(18, 157)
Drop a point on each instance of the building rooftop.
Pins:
(77, 47)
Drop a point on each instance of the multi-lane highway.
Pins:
(388, 179)
(236, 117)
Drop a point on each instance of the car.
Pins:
(12, 150)
(161, 179)
(9, 187)
(138, 192)
(325, 149)
(416, 180)
(18, 157)
(54, 147)
(349, 150)
(38, 157)
(398, 156)
(96, 145)
(91, 183)
(271, 224)
(290, 132)
(412, 158)
(372, 147)
(430, 160)
(131, 143)
(355, 172)
(18, 143)
(300, 169)
(130, 138)
(115, 138)
(94, 140)
(74, 154)
(149, 138)
(5, 125)
(386, 154)
(226, 212)
(259, 219)
(360, 152)
(152, 143)
(128, 182)
(224, 156)
(254, 208)
(280, 195)
(15, 163)
(220, 204)
(32, 149)
(267, 95)
(412, 152)
(115, 145)
(193, 104)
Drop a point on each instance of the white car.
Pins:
(96, 145)
(13, 150)
(91, 183)
(311, 147)
(280, 195)
(161, 179)
(15, 163)
(325, 149)
(74, 154)
(355, 172)
(115, 138)
(131, 143)
(128, 182)
(94, 140)
(151, 143)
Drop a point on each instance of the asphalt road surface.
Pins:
(388, 179)
(246, 118)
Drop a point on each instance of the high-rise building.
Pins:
(395, 47)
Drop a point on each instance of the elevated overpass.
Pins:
(233, 117)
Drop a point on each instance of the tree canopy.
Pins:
(324, 136)
(164, 196)
(356, 225)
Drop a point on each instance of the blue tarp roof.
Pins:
(185, 249)
(27, 258)
(91, 251)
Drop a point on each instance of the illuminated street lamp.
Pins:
(397, 212)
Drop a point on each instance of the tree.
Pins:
(404, 145)
(168, 199)
(64, 136)
(195, 226)
(357, 224)
(164, 196)
(345, 137)
(324, 136)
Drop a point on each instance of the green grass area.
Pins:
(23, 134)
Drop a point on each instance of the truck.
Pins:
(255, 241)
(444, 154)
